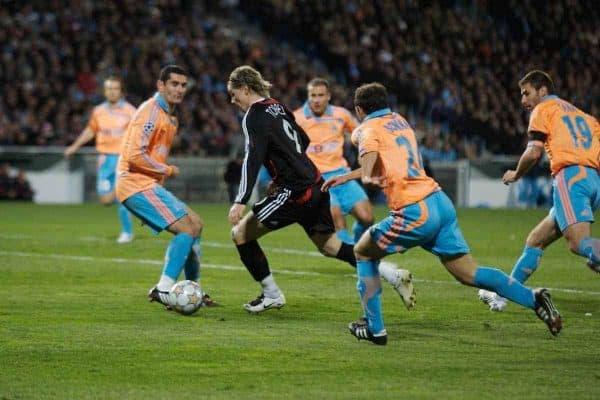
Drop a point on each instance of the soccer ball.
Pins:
(185, 297)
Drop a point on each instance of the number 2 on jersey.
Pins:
(292, 134)
(583, 134)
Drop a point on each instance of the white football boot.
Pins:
(494, 301)
(401, 281)
(263, 303)
(125, 238)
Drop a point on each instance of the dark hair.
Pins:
(371, 97)
(537, 79)
(165, 73)
(248, 76)
(318, 82)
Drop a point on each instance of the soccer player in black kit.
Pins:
(273, 139)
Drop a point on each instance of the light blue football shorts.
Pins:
(575, 195)
(347, 195)
(156, 207)
(107, 173)
(430, 223)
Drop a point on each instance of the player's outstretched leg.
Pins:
(369, 288)
(543, 235)
(465, 269)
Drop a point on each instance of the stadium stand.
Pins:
(452, 66)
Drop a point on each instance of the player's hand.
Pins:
(376, 181)
(175, 171)
(509, 177)
(333, 182)
(69, 152)
(236, 212)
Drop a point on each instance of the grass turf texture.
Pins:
(75, 323)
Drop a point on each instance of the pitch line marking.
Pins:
(226, 267)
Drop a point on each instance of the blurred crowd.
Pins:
(451, 66)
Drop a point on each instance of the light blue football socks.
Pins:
(177, 254)
(357, 230)
(527, 263)
(369, 288)
(192, 263)
(590, 248)
(344, 236)
(125, 218)
(506, 286)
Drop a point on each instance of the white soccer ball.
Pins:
(185, 297)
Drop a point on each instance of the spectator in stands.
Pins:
(452, 62)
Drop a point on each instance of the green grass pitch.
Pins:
(75, 323)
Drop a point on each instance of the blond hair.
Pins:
(248, 76)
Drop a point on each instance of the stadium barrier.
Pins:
(58, 180)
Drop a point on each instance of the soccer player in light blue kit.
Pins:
(143, 170)
(326, 126)
(420, 215)
(107, 124)
(571, 139)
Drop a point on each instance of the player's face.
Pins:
(530, 97)
(112, 91)
(239, 96)
(318, 99)
(173, 89)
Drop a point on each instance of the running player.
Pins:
(107, 124)
(142, 171)
(571, 139)
(420, 215)
(326, 126)
(275, 140)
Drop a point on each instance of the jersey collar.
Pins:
(309, 114)
(161, 102)
(549, 97)
(378, 113)
(118, 104)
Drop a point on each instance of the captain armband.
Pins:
(536, 136)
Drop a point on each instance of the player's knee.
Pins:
(197, 226)
(236, 236)
(534, 241)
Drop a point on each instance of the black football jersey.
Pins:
(275, 140)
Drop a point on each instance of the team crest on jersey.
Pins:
(275, 110)
(148, 127)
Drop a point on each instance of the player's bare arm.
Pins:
(367, 162)
(83, 138)
(528, 159)
(341, 179)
